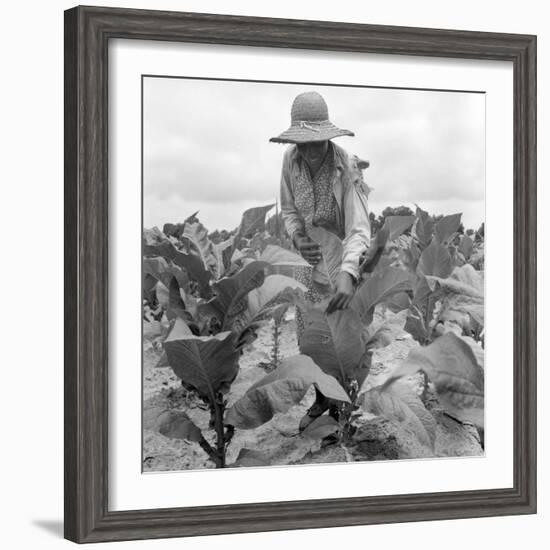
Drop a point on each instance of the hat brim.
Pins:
(303, 134)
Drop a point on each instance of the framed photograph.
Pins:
(300, 274)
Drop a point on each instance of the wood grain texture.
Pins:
(87, 32)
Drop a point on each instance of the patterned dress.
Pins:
(315, 201)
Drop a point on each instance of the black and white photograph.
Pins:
(278, 275)
(313, 273)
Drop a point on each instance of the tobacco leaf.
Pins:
(250, 458)
(279, 256)
(157, 244)
(446, 228)
(253, 220)
(195, 237)
(415, 325)
(334, 342)
(380, 286)
(280, 390)
(177, 425)
(321, 427)
(435, 261)
(207, 363)
(466, 246)
(162, 270)
(223, 252)
(231, 292)
(266, 302)
(400, 404)
(332, 250)
(423, 228)
(464, 294)
(452, 366)
(394, 227)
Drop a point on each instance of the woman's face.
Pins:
(313, 152)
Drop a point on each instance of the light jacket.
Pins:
(350, 193)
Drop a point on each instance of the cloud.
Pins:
(207, 143)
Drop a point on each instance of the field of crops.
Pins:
(225, 382)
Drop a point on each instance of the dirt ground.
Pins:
(375, 439)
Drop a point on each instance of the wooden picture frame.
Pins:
(87, 34)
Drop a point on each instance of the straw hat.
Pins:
(309, 121)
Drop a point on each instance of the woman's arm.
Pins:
(357, 226)
(294, 222)
(356, 240)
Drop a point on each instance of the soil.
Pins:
(279, 441)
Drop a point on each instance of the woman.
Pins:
(322, 186)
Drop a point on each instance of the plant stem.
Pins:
(218, 408)
(427, 318)
(424, 395)
(344, 416)
(207, 448)
(275, 350)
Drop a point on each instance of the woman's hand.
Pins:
(308, 248)
(344, 292)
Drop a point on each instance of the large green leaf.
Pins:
(446, 227)
(279, 256)
(453, 286)
(380, 286)
(251, 458)
(398, 302)
(154, 241)
(176, 229)
(334, 342)
(156, 244)
(382, 333)
(253, 220)
(222, 252)
(266, 302)
(277, 392)
(163, 271)
(399, 403)
(231, 298)
(332, 250)
(451, 365)
(176, 425)
(149, 283)
(176, 303)
(410, 255)
(464, 293)
(173, 229)
(435, 260)
(169, 283)
(208, 363)
(466, 247)
(469, 276)
(421, 290)
(321, 427)
(424, 228)
(271, 288)
(195, 237)
(416, 326)
(394, 227)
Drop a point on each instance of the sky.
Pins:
(206, 147)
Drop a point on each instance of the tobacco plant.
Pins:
(211, 317)
(446, 289)
(338, 344)
(215, 296)
(341, 344)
